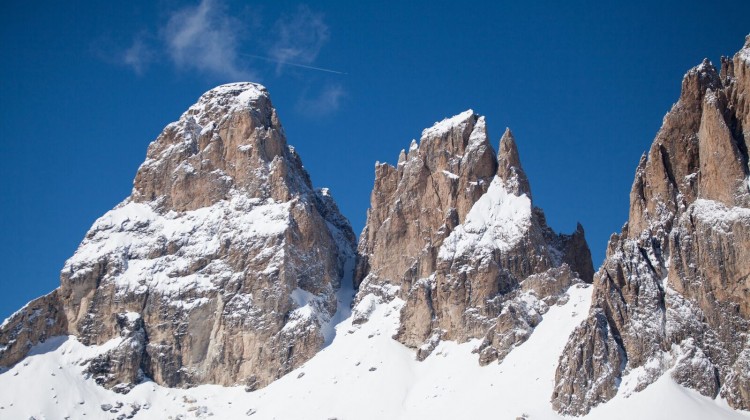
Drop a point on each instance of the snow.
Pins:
(497, 221)
(719, 216)
(450, 174)
(251, 91)
(345, 292)
(643, 375)
(230, 97)
(478, 136)
(132, 316)
(340, 382)
(744, 53)
(136, 235)
(665, 399)
(446, 125)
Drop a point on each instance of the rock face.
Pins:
(673, 294)
(452, 232)
(223, 266)
(40, 319)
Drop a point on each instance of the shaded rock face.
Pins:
(673, 294)
(452, 232)
(223, 266)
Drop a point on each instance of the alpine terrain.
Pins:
(452, 232)
(226, 286)
(223, 266)
(673, 295)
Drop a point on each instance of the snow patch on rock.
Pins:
(139, 238)
(497, 221)
(446, 125)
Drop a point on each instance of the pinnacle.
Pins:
(509, 165)
(234, 94)
(705, 67)
(448, 124)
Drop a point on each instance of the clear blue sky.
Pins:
(85, 86)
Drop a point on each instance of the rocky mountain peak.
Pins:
(230, 140)
(696, 81)
(672, 293)
(224, 265)
(225, 100)
(509, 166)
(450, 167)
(461, 123)
(453, 144)
(452, 233)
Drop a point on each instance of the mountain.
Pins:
(223, 266)
(452, 232)
(225, 286)
(673, 295)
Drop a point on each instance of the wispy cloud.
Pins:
(138, 56)
(205, 38)
(208, 38)
(299, 37)
(326, 102)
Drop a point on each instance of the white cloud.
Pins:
(299, 37)
(205, 38)
(325, 103)
(138, 56)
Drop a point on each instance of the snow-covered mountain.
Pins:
(224, 266)
(225, 286)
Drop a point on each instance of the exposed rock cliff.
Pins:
(452, 232)
(673, 294)
(222, 266)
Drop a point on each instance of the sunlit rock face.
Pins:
(673, 294)
(452, 232)
(223, 266)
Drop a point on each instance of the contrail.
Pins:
(286, 63)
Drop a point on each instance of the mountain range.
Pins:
(226, 285)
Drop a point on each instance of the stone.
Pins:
(452, 232)
(221, 267)
(674, 291)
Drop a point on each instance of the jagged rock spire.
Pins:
(672, 294)
(451, 230)
(509, 167)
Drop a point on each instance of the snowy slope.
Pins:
(362, 374)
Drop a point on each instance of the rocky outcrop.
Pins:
(673, 294)
(452, 232)
(38, 320)
(223, 266)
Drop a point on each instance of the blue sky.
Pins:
(85, 86)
